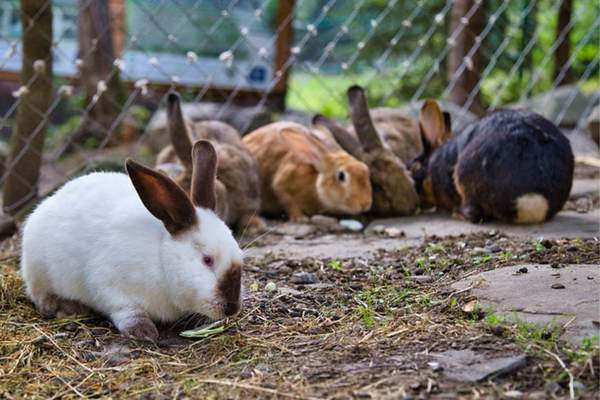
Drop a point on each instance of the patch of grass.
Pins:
(493, 319)
(506, 256)
(481, 260)
(367, 315)
(336, 265)
(546, 335)
(539, 246)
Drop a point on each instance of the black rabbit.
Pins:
(511, 165)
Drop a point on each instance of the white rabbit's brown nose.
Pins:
(229, 289)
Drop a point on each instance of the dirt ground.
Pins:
(337, 327)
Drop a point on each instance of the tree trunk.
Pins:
(464, 38)
(562, 71)
(27, 140)
(96, 50)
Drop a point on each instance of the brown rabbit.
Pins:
(237, 184)
(393, 188)
(301, 176)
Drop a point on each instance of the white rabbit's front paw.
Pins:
(137, 326)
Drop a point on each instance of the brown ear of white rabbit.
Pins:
(237, 185)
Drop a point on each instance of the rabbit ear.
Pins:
(204, 174)
(178, 130)
(448, 123)
(361, 119)
(341, 135)
(162, 197)
(308, 148)
(433, 125)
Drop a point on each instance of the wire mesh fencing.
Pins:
(83, 82)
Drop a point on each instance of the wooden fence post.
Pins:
(283, 45)
(465, 39)
(27, 139)
(562, 73)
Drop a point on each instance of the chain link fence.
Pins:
(82, 82)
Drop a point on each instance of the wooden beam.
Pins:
(117, 15)
(283, 45)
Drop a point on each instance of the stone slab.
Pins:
(530, 296)
(469, 366)
(566, 224)
(582, 187)
(330, 246)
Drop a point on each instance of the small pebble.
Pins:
(245, 374)
(493, 249)
(304, 278)
(39, 339)
(421, 278)
(435, 366)
(479, 250)
(513, 394)
(393, 232)
(558, 286)
(351, 224)
(590, 278)
(378, 229)
(271, 286)
(323, 220)
(71, 327)
(523, 270)
(498, 330)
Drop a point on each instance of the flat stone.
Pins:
(469, 366)
(581, 187)
(534, 297)
(566, 224)
(581, 142)
(330, 246)
(552, 103)
(295, 230)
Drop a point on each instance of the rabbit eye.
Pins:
(209, 261)
(341, 175)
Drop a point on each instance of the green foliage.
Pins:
(140, 113)
(542, 335)
(336, 265)
(517, 52)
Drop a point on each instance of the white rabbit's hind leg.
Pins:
(50, 305)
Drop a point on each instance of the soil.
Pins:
(369, 320)
(359, 329)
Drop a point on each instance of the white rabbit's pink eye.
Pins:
(209, 261)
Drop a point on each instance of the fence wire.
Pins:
(251, 61)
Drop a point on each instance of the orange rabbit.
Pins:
(301, 176)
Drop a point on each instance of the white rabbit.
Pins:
(136, 253)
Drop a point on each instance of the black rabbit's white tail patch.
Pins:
(532, 208)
